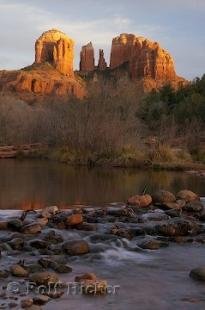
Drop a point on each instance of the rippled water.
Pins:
(35, 183)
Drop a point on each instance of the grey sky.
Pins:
(177, 25)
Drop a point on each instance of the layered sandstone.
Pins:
(57, 49)
(146, 59)
(40, 82)
(87, 58)
(102, 65)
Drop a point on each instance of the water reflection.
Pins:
(34, 184)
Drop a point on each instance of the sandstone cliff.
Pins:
(102, 65)
(56, 48)
(87, 59)
(146, 59)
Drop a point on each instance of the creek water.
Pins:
(38, 183)
(147, 280)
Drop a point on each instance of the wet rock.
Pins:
(187, 195)
(42, 221)
(32, 229)
(174, 212)
(116, 211)
(171, 206)
(40, 300)
(4, 274)
(87, 227)
(179, 227)
(198, 274)
(153, 244)
(48, 212)
(194, 206)
(86, 276)
(141, 201)
(76, 247)
(17, 243)
(44, 278)
(18, 271)
(163, 197)
(57, 266)
(122, 232)
(3, 225)
(74, 219)
(15, 225)
(32, 268)
(39, 244)
(26, 303)
(53, 237)
(35, 307)
(93, 286)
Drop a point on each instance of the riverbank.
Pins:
(73, 246)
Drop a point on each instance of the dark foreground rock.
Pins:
(198, 273)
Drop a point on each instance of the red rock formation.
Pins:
(56, 48)
(102, 65)
(146, 59)
(87, 59)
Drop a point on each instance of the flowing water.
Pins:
(147, 280)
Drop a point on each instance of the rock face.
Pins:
(56, 48)
(102, 65)
(145, 58)
(87, 59)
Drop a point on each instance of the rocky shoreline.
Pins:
(39, 247)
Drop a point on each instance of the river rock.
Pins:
(86, 276)
(48, 212)
(162, 197)
(122, 232)
(178, 227)
(4, 274)
(187, 195)
(18, 271)
(40, 300)
(44, 278)
(53, 237)
(156, 215)
(3, 225)
(198, 273)
(152, 244)
(74, 219)
(141, 201)
(42, 221)
(17, 244)
(76, 247)
(87, 227)
(32, 229)
(39, 244)
(194, 206)
(26, 303)
(15, 224)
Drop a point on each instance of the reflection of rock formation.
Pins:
(87, 59)
(56, 48)
(102, 65)
(145, 58)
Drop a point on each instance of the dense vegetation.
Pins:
(113, 125)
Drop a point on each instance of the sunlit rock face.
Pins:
(57, 49)
(87, 59)
(102, 65)
(146, 59)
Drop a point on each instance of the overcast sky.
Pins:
(179, 26)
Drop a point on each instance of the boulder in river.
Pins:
(152, 244)
(141, 201)
(48, 212)
(76, 247)
(198, 273)
(74, 219)
(18, 271)
(178, 227)
(32, 229)
(44, 278)
(91, 285)
(187, 195)
(163, 197)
